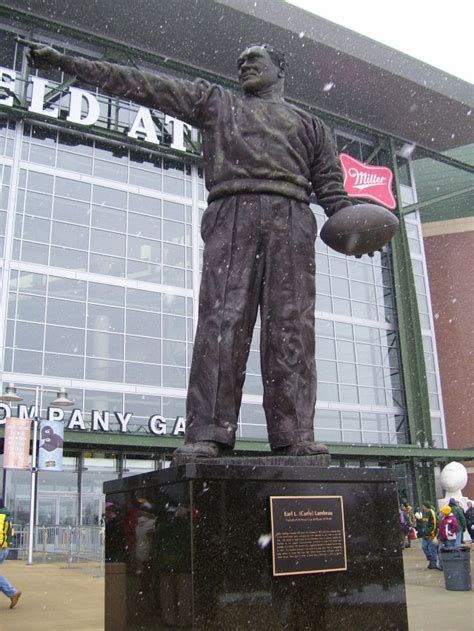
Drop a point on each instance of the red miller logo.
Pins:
(367, 182)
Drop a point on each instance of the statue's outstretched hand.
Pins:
(40, 56)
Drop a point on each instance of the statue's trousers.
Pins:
(259, 252)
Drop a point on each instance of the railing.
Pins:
(53, 543)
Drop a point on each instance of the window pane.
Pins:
(142, 204)
(173, 211)
(64, 365)
(64, 340)
(143, 374)
(106, 294)
(174, 353)
(144, 249)
(29, 336)
(174, 328)
(71, 210)
(104, 370)
(104, 318)
(142, 225)
(28, 362)
(66, 312)
(73, 189)
(143, 349)
(68, 258)
(143, 323)
(107, 242)
(103, 196)
(36, 229)
(31, 308)
(102, 344)
(38, 204)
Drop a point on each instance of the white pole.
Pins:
(34, 472)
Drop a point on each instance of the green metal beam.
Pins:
(402, 452)
(53, 94)
(411, 342)
(381, 145)
(434, 200)
(148, 442)
(424, 480)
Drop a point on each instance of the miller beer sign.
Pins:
(367, 182)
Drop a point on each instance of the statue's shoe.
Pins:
(199, 449)
(304, 448)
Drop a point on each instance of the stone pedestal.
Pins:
(191, 548)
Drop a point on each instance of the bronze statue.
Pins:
(263, 157)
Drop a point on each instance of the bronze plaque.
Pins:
(308, 534)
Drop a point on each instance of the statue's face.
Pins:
(257, 72)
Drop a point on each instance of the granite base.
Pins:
(189, 548)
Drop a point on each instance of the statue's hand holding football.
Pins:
(360, 229)
(40, 56)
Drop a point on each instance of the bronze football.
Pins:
(360, 229)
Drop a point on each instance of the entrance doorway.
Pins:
(57, 510)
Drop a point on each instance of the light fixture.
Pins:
(10, 394)
(62, 399)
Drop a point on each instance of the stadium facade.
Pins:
(100, 247)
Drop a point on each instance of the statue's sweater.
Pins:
(250, 144)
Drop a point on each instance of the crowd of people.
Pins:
(439, 531)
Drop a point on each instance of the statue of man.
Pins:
(263, 157)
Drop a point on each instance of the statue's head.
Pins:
(261, 67)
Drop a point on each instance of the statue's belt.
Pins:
(258, 187)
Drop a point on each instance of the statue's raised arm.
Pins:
(178, 97)
(41, 56)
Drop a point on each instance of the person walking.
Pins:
(411, 520)
(428, 533)
(448, 528)
(6, 533)
(447, 533)
(469, 516)
(418, 519)
(404, 526)
(461, 520)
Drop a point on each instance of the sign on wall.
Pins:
(17, 443)
(100, 420)
(367, 182)
(84, 109)
(50, 454)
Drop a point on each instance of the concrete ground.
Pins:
(56, 597)
(430, 606)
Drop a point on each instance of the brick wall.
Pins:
(450, 260)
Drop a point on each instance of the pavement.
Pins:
(57, 597)
(430, 606)
(54, 596)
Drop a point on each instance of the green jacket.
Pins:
(459, 514)
(428, 524)
(6, 530)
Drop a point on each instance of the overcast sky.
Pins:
(438, 32)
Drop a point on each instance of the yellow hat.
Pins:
(446, 510)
